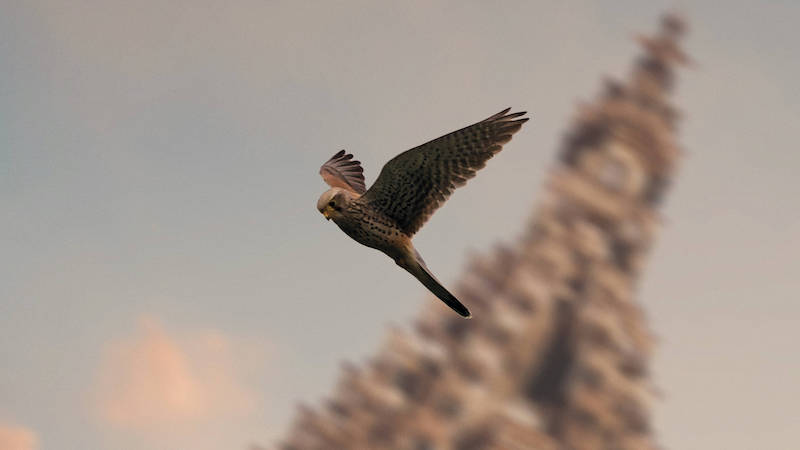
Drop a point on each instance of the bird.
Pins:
(409, 189)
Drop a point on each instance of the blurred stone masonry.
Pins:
(557, 354)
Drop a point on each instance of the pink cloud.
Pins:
(155, 380)
(15, 437)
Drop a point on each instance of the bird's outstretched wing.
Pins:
(341, 171)
(415, 183)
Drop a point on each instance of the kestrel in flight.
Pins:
(408, 190)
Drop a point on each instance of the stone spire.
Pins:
(557, 355)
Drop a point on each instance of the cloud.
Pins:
(156, 380)
(15, 437)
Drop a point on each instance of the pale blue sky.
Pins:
(159, 160)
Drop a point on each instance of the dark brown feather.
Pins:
(342, 171)
(415, 183)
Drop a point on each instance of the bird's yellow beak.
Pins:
(326, 214)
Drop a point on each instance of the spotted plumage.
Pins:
(410, 187)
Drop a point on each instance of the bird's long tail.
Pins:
(423, 274)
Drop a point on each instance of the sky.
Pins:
(166, 281)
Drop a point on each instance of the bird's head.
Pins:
(332, 202)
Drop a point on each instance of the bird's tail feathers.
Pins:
(424, 275)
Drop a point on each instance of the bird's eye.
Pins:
(331, 204)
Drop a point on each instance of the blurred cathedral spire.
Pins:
(557, 354)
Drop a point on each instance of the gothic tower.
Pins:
(557, 355)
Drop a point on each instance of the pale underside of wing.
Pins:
(343, 172)
(415, 183)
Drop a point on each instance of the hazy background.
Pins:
(166, 282)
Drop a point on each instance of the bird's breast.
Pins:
(370, 228)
